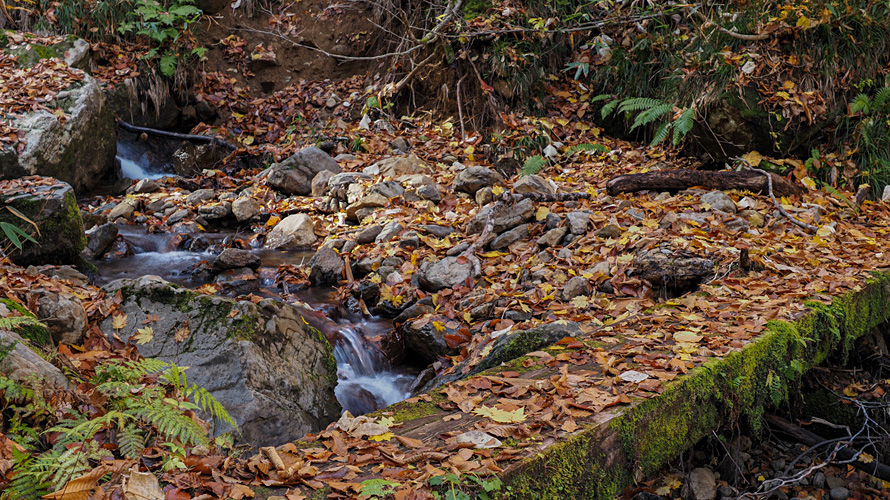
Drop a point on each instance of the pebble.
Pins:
(839, 493)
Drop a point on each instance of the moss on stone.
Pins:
(404, 411)
(35, 331)
(330, 363)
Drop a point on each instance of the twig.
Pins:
(734, 34)
(202, 139)
(460, 111)
(769, 183)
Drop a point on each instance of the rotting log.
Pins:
(671, 271)
(677, 180)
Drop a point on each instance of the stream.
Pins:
(366, 381)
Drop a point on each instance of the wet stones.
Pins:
(234, 258)
(100, 239)
(293, 232)
(295, 175)
(326, 267)
(446, 273)
(475, 178)
(246, 208)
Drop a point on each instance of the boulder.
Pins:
(238, 281)
(475, 178)
(718, 200)
(326, 267)
(52, 206)
(504, 216)
(446, 273)
(400, 165)
(507, 238)
(24, 365)
(577, 222)
(294, 175)
(425, 336)
(534, 184)
(100, 239)
(320, 185)
(64, 315)
(234, 258)
(74, 51)
(273, 374)
(246, 208)
(78, 151)
(294, 232)
(146, 186)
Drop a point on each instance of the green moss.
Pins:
(404, 411)
(33, 330)
(245, 327)
(475, 8)
(330, 363)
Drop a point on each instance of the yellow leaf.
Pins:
(501, 416)
(119, 321)
(687, 337)
(272, 221)
(438, 326)
(580, 302)
(783, 95)
(753, 158)
(788, 85)
(824, 232)
(493, 254)
(542, 213)
(143, 335)
(386, 421)
(247, 141)
(497, 190)
(866, 458)
(386, 436)
(808, 182)
(803, 22)
(467, 317)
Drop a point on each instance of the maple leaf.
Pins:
(580, 302)
(144, 335)
(119, 321)
(501, 416)
(182, 332)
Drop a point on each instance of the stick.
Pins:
(769, 178)
(201, 139)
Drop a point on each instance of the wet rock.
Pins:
(575, 287)
(401, 165)
(415, 310)
(54, 209)
(293, 232)
(425, 336)
(504, 217)
(422, 379)
(295, 174)
(436, 230)
(718, 200)
(238, 281)
(64, 316)
(246, 208)
(99, 240)
(326, 267)
(146, 186)
(430, 193)
(78, 151)
(274, 376)
(389, 232)
(368, 265)
(388, 189)
(390, 308)
(358, 399)
(507, 238)
(534, 184)
(214, 211)
(702, 485)
(123, 210)
(446, 273)
(553, 237)
(177, 216)
(23, 365)
(484, 196)
(234, 258)
(475, 178)
(200, 196)
(320, 185)
(608, 231)
(578, 222)
(368, 234)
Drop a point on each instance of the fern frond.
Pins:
(588, 147)
(633, 104)
(650, 115)
(533, 165)
(171, 424)
(601, 97)
(609, 108)
(882, 98)
(860, 103)
(661, 133)
(202, 397)
(683, 125)
(27, 481)
(130, 441)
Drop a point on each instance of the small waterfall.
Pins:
(366, 381)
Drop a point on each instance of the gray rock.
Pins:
(702, 484)
(23, 365)
(575, 287)
(389, 232)
(320, 185)
(177, 216)
(504, 217)
(410, 240)
(274, 376)
(839, 493)
(400, 145)
(718, 200)
(296, 231)
(65, 317)
(234, 258)
(388, 189)
(246, 208)
(200, 196)
(446, 273)
(146, 186)
(295, 174)
(552, 221)
(368, 234)
(78, 151)
(457, 249)
(577, 222)
(423, 338)
(834, 482)
(214, 211)
(416, 180)
(553, 237)
(475, 178)
(608, 231)
(238, 281)
(367, 265)
(326, 267)
(401, 165)
(819, 480)
(372, 201)
(436, 230)
(484, 196)
(339, 184)
(533, 184)
(125, 209)
(54, 209)
(99, 240)
(507, 238)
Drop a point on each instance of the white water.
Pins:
(132, 170)
(364, 374)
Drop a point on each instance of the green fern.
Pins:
(882, 98)
(533, 165)
(131, 441)
(683, 125)
(661, 133)
(25, 482)
(198, 395)
(171, 425)
(588, 147)
(609, 108)
(633, 104)
(650, 115)
(860, 103)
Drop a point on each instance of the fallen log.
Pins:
(198, 139)
(677, 180)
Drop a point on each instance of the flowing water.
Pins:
(366, 380)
